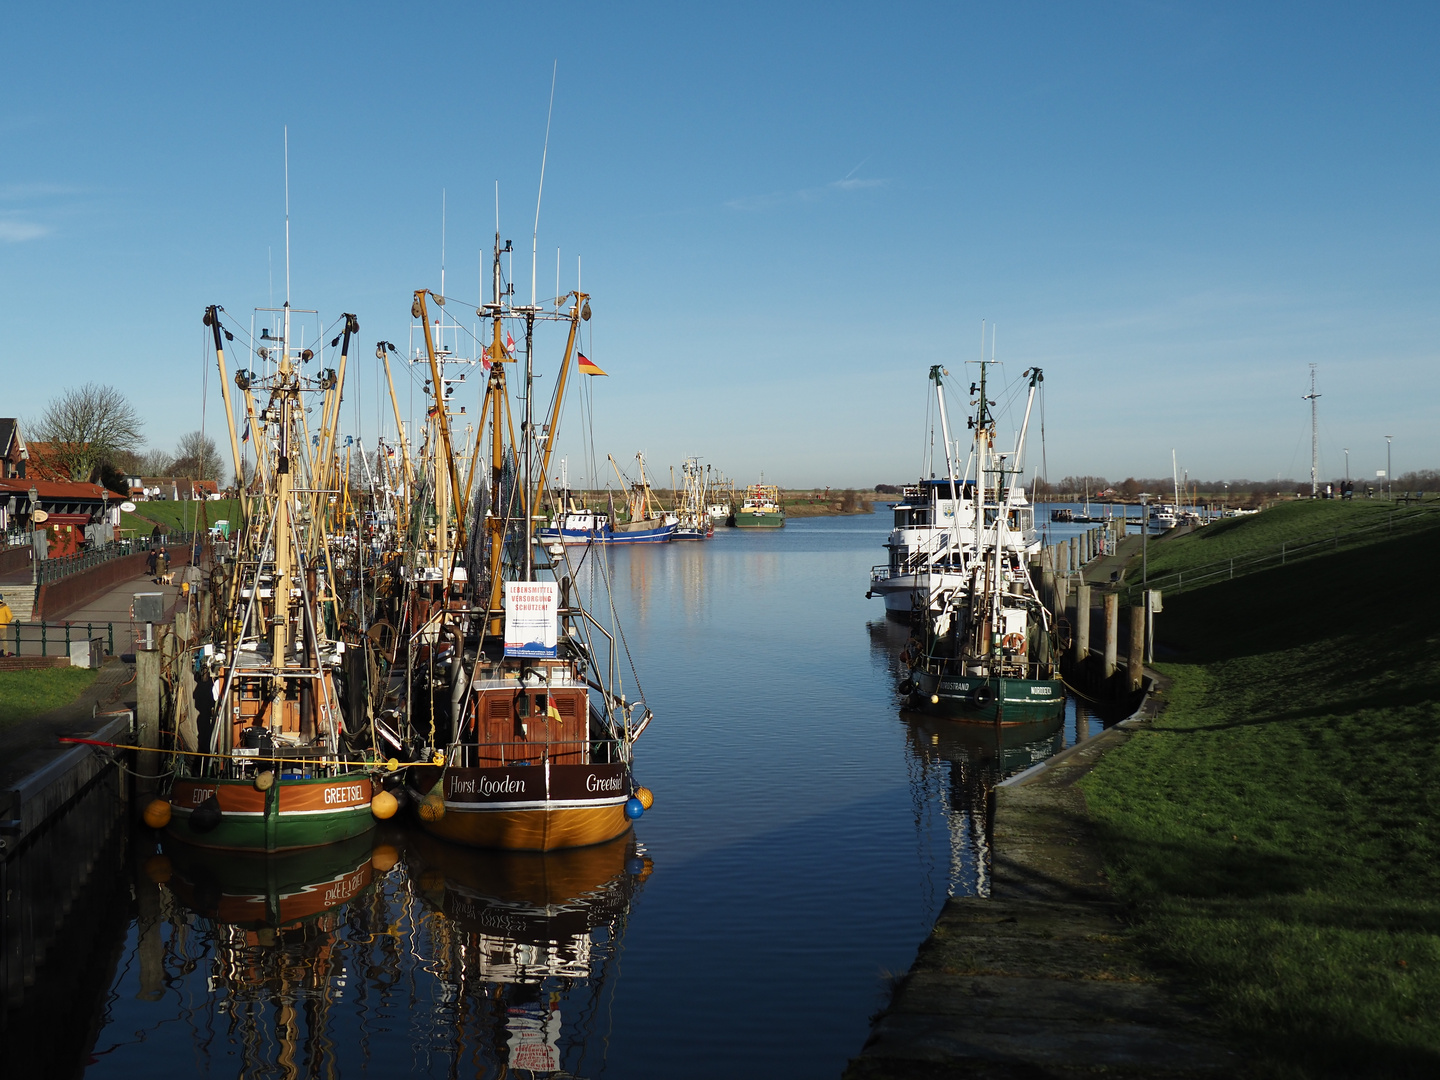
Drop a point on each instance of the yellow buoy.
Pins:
(264, 781)
(157, 813)
(432, 808)
(384, 856)
(934, 699)
(646, 797)
(384, 805)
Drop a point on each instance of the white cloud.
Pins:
(804, 195)
(13, 231)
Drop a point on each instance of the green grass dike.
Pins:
(1275, 834)
(25, 694)
(177, 516)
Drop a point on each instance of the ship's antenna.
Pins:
(535, 236)
(442, 241)
(557, 275)
(287, 215)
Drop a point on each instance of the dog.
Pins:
(166, 579)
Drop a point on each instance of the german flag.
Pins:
(588, 366)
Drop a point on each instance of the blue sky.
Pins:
(786, 213)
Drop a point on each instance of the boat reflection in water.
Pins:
(492, 961)
(526, 933)
(978, 757)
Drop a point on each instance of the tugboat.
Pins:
(986, 649)
(518, 733)
(274, 764)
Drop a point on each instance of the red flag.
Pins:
(509, 341)
(588, 366)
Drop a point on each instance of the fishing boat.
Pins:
(986, 649)
(693, 520)
(930, 543)
(644, 520)
(721, 508)
(520, 736)
(271, 762)
(761, 508)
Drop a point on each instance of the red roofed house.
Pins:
(75, 513)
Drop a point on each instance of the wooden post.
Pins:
(147, 720)
(1047, 590)
(1137, 646)
(1082, 623)
(1074, 555)
(205, 611)
(1112, 633)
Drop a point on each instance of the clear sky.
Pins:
(786, 212)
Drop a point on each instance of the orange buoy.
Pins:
(646, 797)
(432, 808)
(384, 805)
(157, 813)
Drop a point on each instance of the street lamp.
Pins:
(1148, 652)
(1389, 488)
(1347, 464)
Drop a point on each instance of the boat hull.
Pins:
(294, 814)
(767, 519)
(1010, 701)
(657, 535)
(546, 807)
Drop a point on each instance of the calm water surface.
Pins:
(803, 838)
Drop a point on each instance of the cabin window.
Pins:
(522, 706)
(902, 517)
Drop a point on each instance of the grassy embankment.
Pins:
(825, 503)
(24, 694)
(176, 515)
(1276, 833)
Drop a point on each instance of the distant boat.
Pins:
(694, 522)
(648, 522)
(761, 508)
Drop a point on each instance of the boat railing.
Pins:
(533, 752)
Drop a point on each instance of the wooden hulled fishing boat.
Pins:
(269, 762)
(985, 647)
(520, 736)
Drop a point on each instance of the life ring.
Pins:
(1014, 642)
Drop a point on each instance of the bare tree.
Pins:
(87, 427)
(153, 462)
(198, 458)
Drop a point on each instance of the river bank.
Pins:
(1274, 835)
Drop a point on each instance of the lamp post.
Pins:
(1347, 464)
(1148, 651)
(1389, 483)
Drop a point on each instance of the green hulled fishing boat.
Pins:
(761, 508)
(985, 647)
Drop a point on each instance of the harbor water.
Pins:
(805, 834)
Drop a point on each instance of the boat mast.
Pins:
(936, 374)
